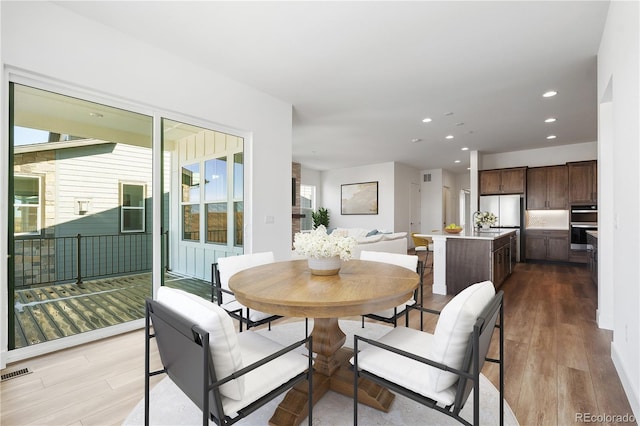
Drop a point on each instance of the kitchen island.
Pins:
(460, 260)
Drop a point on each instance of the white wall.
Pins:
(431, 211)
(383, 173)
(84, 58)
(540, 157)
(618, 72)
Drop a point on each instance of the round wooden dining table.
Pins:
(289, 289)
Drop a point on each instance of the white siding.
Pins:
(95, 173)
(190, 257)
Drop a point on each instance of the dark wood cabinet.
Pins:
(583, 182)
(502, 181)
(474, 260)
(537, 188)
(547, 245)
(501, 260)
(547, 188)
(468, 262)
(578, 256)
(490, 181)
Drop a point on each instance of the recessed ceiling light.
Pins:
(457, 161)
(550, 120)
(427, 120)
(468, 168)
(96, 114)
(549, 94)
(464, 149)
(449, 137)
(414, 140)
(551, 137)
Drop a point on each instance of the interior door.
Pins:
(415, 208)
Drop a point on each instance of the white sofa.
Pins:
(374, 240)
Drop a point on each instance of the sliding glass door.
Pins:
(80, 213)
(203, 197)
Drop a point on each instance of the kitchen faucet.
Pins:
(475, 223)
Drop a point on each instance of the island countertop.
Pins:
(472, 233)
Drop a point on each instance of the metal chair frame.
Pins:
(492, 317)
(186, 357)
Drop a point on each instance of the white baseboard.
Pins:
(632, 394)
(604, 321)
(439, 289)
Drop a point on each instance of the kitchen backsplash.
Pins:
(547, 219)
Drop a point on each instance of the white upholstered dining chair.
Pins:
(438, 370)
(410, 262)
(228, 375)
(221, 272)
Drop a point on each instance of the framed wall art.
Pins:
(359, 198)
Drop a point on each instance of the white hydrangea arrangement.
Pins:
(318, 244)
(485, 218)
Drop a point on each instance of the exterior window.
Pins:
(212, 185)
(238, 198)
(215, 189)
(215, 184)
(217, 223)
(27, 205)
(191, 183)
(191, 202)
(238, 216)
(191, 222)
(307, 206)
(132, 207)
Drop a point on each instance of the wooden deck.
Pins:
(48, 313)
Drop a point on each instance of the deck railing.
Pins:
(41, 261)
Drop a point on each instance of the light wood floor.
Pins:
(558, 362)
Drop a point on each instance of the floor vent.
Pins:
(14, 374)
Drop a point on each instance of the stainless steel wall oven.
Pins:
(583, 219)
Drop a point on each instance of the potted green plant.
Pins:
(320, 217)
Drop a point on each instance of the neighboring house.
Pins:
(97, 195)
(89, 193)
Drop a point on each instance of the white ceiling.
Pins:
(362, 75)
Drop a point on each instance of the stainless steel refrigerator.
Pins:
(508, 208)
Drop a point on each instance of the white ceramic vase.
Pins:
(324, 265)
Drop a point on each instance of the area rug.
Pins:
(169, 406)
